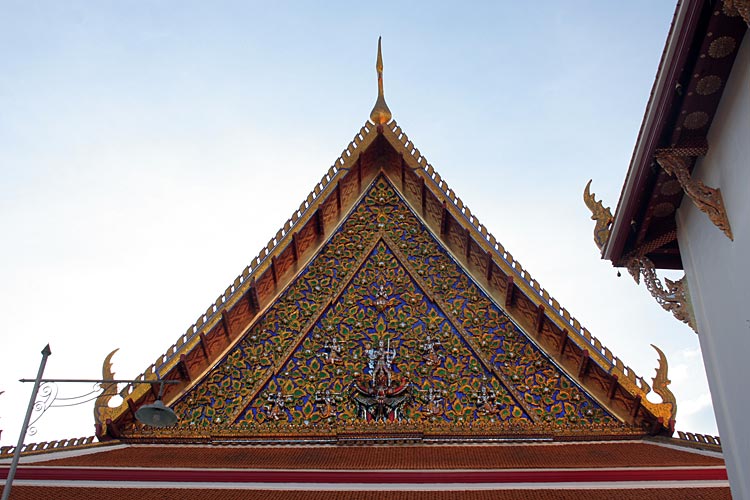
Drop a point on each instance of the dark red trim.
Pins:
(638, 174)
(366, 477)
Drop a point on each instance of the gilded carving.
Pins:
(741, 7)
(380, 114)
(276, 406)
(661, 383)
(404, 311)
(722, 47)
(600, 214)
(708, 85)
(674, 298)
(695, 120)
(102, 411)
(707, 199)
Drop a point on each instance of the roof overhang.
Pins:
(697, 59)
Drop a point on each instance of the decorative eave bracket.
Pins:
(676, 162)
(602, 215)
(675, 298)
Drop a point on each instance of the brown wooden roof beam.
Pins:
(252, 298)
(612, 387)
(490, 265)
(274, 275)
(295, 247)
(467, 239)
(656, 426)
(131, 406)
(319, 229)
(202, 341)
(444, 220)
(636, 407)
(539, 323)
(563, 342)
(359, 174)
(225, 326)
(510, 292)
(424, 197)
(113, 429)
(583, 366)
(183, 370)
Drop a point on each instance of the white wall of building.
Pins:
(718, 271)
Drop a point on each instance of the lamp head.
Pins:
(156, 415)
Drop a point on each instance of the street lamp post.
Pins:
(17, 452)
(155, 414)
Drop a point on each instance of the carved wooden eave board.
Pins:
(267, 339)
(695, 65)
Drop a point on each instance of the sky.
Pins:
(149, 150)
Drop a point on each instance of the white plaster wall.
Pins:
(718, 271)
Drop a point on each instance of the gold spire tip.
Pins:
(380, 114)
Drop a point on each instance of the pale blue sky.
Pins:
(148, 150)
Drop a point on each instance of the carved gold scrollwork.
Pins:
(707, 199)
(102, 411)
(741, 7)
(661, 381)
(674, 298)
(602, 216)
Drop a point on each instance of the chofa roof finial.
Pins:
(380, 114)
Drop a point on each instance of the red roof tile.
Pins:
(519, 456)
(46, 493)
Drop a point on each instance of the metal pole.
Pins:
(17, 452)
(101, 381)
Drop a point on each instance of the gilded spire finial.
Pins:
(380, 114)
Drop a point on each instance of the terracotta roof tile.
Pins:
(621, 454)
(38, 493)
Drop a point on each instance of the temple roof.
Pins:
(383, 306)
(386, 153)
(612, 470)
(693, 71)
(491, 456)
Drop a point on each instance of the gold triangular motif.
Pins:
(312, 361)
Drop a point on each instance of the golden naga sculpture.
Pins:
(380, 114)
(707, 199)
(661, 381)
(674, 298)
(102, 411)
(602, 216)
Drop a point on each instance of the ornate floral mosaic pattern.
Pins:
(384, 325)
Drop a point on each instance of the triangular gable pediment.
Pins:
(211, 352)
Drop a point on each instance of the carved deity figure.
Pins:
(380, 359)
(379, 395)
(433, 402)
(381, 298)
(277, 405)
(486, 401)
(332, 352)
(429, 352)
(327, 401)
